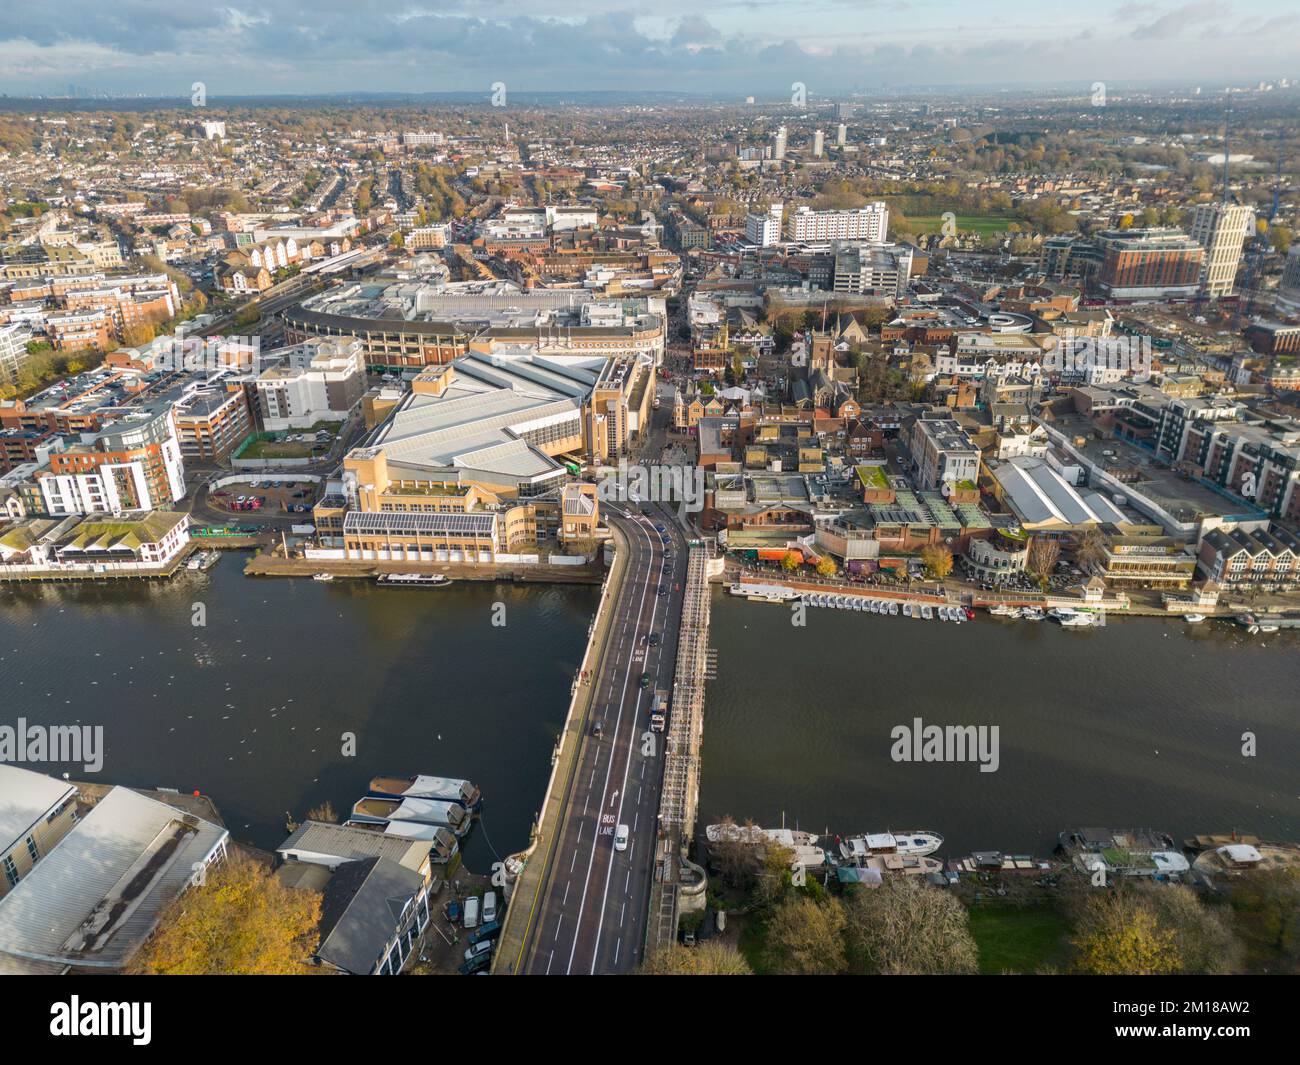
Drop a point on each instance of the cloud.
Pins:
(1181, 18)
(738, 46)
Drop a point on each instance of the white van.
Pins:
(620, 838)
(471, 911)
(489, 907)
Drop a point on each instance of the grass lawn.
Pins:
(280, 448)
(966, 223)
(1019, 938)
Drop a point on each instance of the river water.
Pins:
(1136, 724)
(252, 708)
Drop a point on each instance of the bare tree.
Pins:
(905, 927)
(1042, 557)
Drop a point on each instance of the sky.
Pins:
(758, 47)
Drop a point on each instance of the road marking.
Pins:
(654, 609)
(627, 678)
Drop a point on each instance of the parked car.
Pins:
(479, 950)
(489, 930)
(489, 907)
(472, 908)
(475, 965)
(452, 910)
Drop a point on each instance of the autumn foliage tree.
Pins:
(937, 561)
(241, 920)
(1119, 935)
(708, 959)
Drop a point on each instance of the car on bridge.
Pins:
(645, 680)
(621, 835)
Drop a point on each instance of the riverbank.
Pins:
(271, 565)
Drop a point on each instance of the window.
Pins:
(11, 870)
(31, 849)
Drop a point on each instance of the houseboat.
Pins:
(443, 846)
(420, 811)
(1099, 840)
(442, 789)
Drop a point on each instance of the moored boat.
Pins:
(322, 576)
(917, 843)
(421, 811)
(420, 786)
(443, 846)
(412, 580)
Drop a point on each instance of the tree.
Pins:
(1205, 943)
(735, 861)
(1119, 936)
(1091, 550)
(1042, 556)
(791, 561)
(937, 560)
(1266, 910)
(826, 566)
(806, 938)
(708, 959)
(905, 927)
(241, 921)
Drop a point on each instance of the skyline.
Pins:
(758, 48)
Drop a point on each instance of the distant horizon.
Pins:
(734, 48)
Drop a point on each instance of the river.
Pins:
(253, 707)
(1138, 723)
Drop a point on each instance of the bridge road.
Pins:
(594, 901)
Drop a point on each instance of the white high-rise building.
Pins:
(819, 143)
(1288, 289)
(764, 229)
(1221, 229)
(870, 223)
(842, 135)
(13, 351)
(778, 146)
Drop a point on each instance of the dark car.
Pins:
(472, 966)
(488, 930)
(653, 639)
(645, 680)
(452, 911)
